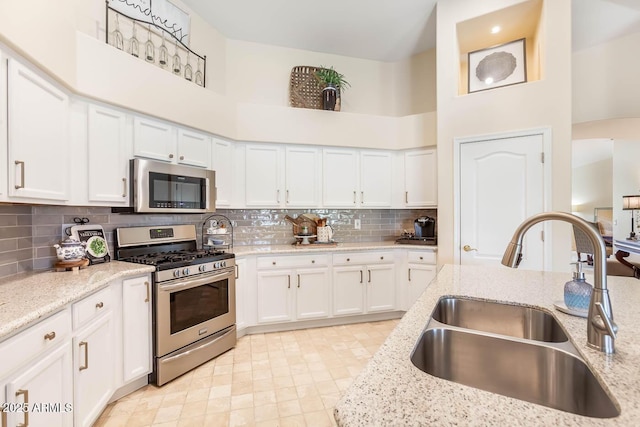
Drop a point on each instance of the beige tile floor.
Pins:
(277, 379)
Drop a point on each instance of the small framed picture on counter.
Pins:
(96, 247)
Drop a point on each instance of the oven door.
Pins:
(193, 308)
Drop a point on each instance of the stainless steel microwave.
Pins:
(158, 187)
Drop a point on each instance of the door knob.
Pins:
(468, 248)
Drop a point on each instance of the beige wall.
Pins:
(592, 186)
(543, 103)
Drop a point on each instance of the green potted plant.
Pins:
(334, 83)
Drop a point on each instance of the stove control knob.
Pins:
(202, 268)
(216, 264)
(223, 263)
(176, 273)
(186, 271)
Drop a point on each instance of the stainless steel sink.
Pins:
(499, 318)
(532, 372)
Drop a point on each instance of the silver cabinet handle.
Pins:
(50, 336)
(170, 156)
(237, 271)
(288, 281)
(286, 200)
(86, 355)
(354, 197)
(21, 164)
(409, 274)
(406, 197)
(24, 393)
(360, 276)
(298, 280)
(124, 187)
(369, 271)
(278, 196)
(146, 284)
(362, 197)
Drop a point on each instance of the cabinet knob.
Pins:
(274, 263)
(100, 304)
(313, 261)
(181, 157)
(348, 259)
(421, 258)
(171, 156)
(381, 257)
(50, 336)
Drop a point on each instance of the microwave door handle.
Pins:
(192, 283)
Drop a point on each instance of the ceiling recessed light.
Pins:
(495, 29)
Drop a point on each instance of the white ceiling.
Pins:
(390, 31)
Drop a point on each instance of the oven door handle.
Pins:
(192, 283)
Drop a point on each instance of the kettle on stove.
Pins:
(425, 226)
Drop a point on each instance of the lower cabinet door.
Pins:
(418, 279)
(312, 293)
(275, 298)
(136, 327)
(94, 369)
(348, 290)
(381, 288)
(45, 389)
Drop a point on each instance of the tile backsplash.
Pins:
(28, 233)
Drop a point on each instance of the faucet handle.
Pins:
(603, 322)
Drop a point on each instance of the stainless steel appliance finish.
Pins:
(505, 319)
(194, 297)
(425, 226)
(601, 329)
(158, 187)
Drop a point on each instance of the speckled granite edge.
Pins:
(29, 297)
(340, 247)
(392, 391)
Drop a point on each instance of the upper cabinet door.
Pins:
(38, 136)
(263, 163)
(154, 139)
(194, 149)
(420, 178)
(339, 178)
(108, 165)
(375, 178)
(302, 177)
(222, 164)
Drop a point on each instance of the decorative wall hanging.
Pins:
(497, 66)
(316, 87)
(144, 28)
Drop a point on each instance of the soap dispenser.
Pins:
(577, 292)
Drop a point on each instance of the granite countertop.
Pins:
(314, 248)
(28, 297)
(392, 391)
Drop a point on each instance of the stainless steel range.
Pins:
(194, 297)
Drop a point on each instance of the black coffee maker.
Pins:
(425, 226)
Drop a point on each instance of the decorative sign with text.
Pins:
(161, 13)
(96, 248)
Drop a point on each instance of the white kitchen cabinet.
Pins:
(107, 156)
(339, 178)
(3, 125)
(420, 178)
(94, 369)
(194, 149)
(242, 284)
(46, 381)
(363, 282)
(263, 164)
(302, 177)
(222, 163)
(38, 137)
(421, 269)
(136, 327)
(293, 288)
(158, 140)
(376, 178)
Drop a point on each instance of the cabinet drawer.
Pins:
(50, 332)
(92, 306)
(319, 260)
(422, 257)
(363, 258)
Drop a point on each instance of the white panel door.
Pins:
(339, 178)
(275, 298)
(420, 178)
(418, 277)
(136, 327)
(3, 127)
(263, 164)
(38, 139)
(312, 293)
(381, 288)
(108, 159)
(194, 149)
(154, 139)
(501, 184)
(348, 290)
(375, 178)
(302, 177)
(222, 164)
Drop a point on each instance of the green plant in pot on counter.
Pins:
(334, 83)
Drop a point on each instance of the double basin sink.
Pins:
(512, 350)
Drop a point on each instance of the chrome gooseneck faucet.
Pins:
(601, 329)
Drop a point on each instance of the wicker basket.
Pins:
(305, 91)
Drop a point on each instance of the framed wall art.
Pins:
(497, 66)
